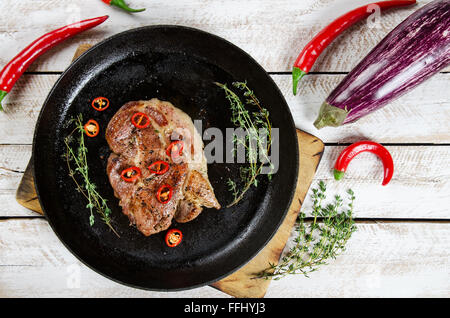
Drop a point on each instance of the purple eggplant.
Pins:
(415, 50)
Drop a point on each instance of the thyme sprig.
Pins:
(257, 140)
(316, 242)
(78, 158)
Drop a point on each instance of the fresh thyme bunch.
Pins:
(89, 190)
(257, 126)
(316, 242)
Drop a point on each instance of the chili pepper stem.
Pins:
(338, 175)
(297, 75)
(2, 95)
(121, 4)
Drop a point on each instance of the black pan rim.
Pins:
(35, 163)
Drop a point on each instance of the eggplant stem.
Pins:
(330, 115)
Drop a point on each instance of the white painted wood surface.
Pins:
(382, 259)
(426, 107)
(400, 258)
(273, 32)
(420, 190)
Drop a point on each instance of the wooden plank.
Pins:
(426, 107)
(382, 259)
(50, 268)
(22, 108)
(272, 34)
(14, 158)
(241, 283)
(419, 188)
(13, 161)
(420, 116)
(26, 194)
(9, 207)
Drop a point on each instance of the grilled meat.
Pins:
(140, 147)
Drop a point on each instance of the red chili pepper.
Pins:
(159, 167)
(314, 48)
(175, 148)
(100, 103)
(92, 128)
(19, 64)
(131, 174)
(173, 237)
(121, 4)
(164, 194)
(355, 149)
(137, 118)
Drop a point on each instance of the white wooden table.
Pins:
(402, 245)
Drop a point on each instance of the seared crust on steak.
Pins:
(187, 174)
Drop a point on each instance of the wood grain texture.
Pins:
(419, 188)
(26, 192)
(242, 283)
(382, 259)
(22, 108)
(46, 267)
(273, 33)
(426, 107)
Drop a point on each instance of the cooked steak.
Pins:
(140, 147)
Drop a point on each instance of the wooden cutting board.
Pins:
(241, 283)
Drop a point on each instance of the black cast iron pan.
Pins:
(177, 64)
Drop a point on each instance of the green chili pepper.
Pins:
(121, 4)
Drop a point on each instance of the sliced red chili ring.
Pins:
(175, 148)
(91, 128)
(173, 237)
(138, 122)
(159, 167)
(100, 103)
(164, 193)
(130, 174)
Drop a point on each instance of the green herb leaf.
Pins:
(80, 171)
(252, 122)
(319, 240)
